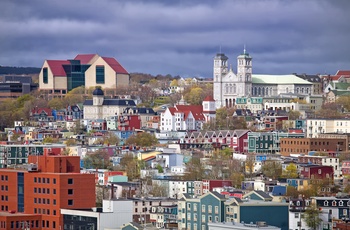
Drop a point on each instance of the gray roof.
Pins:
(278, 79)
(117, 102)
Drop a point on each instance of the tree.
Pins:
(195, 96)
(99, 159)
(71, 142)
(249, 165)
(329, 110)
(272, 169)
(131, 165)
(292, 192)
(160, 168)
(142, 139)
(344, 101)
(294, 115)
(291, 171)
(312, 217)
(174, 83)
(194, 169)
(50, 140)
(111, 139)
(75, 96)
(56, 103)
(158, 190)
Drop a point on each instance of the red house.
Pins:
(208, 185)
(318, 172)
(129, 122)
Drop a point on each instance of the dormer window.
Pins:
(325, 203)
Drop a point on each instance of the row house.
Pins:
(234, 139)
(164, 216)
(268, 142)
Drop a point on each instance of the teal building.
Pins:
(268, 142)
(256, 206)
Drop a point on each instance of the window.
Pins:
(54, 180)
(70, 202)
(100, 74)
(70, 181)
(45, 76)
(54, 191)
(54, 201)
(203, 218)
(70, 191)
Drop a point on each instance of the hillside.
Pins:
(4, 70)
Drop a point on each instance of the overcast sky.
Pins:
(180, 37)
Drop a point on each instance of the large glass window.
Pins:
(45, 77)
(100, 74)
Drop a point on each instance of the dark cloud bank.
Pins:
(180, 37)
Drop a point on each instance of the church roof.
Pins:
(278, 79)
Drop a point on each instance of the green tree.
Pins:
(50, 140)
(290, 172)
(99, 159)
(71, 142)
(75, 96)
(142, 139)
(292, 192)
(131, 165)
(344, 102)
(312, 217)
(249, 165)
(272, 169)
(160, 169)
(174, 83)
(56, 103)
(195, 96)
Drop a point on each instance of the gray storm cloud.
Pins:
(179, 37)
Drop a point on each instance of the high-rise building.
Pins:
(44, 186)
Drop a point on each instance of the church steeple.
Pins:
(244, 71)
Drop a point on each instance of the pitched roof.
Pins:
(209, 98)
(278, 79)
(119, 102)
(56, 67)
(114, 64)
(196, 110)
(343, 72)
(85, 58)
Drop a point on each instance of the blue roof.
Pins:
(279, 190)
(126, 102)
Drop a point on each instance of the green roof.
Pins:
(278, 79)
(342, 86)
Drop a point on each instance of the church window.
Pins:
(297, 90)
(263, 91)
(267, 91)
(287, 90)
(247, 77)
(307, 90)
(226, 88)
(259, 91)
(255, 91)
(230, 88)
(302, 90)
(271, 91)
(234, 88)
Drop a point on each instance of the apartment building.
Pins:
(44, 186)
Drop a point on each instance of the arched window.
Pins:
(270, 91)
(230, 88)
(234, 88)
(247, 77)
(302, 90)
(263, 91)
(259, 91)
(307, 90)
(255, 91)
(226, 88)
(297, 90)
(287, 90)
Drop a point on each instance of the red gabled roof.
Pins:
(196, 110)
(118, 68)
(56, 67)
(343, 72)
(209, 98)
(84, 58)
(48, 111)
(172, 110)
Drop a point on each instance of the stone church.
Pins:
(228, 86)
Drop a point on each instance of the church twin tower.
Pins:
(227, 85)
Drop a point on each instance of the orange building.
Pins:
(48, 184)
